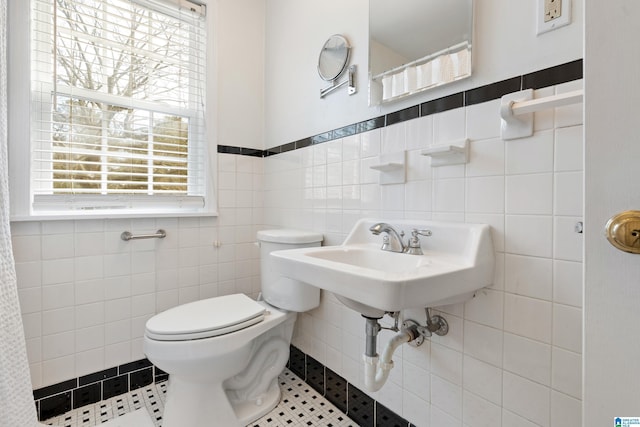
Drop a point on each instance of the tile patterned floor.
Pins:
(300, 406)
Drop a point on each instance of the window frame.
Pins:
(21, 148)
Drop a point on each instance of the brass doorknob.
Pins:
(623, 231)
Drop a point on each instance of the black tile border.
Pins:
(493, 91)
(59, 398)
(355, 403)
(297, 363)
(336, 389)
(385, 417)
(361, 408)
(551, 76)
(315, 374)
(439, 105)
(403, 115)
(55, 405)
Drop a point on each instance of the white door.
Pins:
(611, 381)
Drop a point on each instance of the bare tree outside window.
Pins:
(117, 142)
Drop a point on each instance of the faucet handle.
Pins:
(415, 232)
(414, 242)
(386, 246)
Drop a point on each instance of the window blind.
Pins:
(118, 90)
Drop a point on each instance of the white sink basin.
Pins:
(458, 260)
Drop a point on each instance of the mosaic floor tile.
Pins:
(300, 406)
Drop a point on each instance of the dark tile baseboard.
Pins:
(551, 76)
(59, 398)
(356, 404)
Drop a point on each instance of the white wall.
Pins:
(505, 45)
(240, 73)
(85, 294)
(513, 354)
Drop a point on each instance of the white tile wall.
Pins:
(85, 294)
(512, 357)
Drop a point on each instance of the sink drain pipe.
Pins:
(376, 370)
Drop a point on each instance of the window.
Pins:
(118, 107)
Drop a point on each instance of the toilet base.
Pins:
(248, 412)
(197, 404)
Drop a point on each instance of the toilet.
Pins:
(224, 354)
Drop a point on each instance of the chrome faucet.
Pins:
(392, 241)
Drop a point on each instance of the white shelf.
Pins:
(453, 153)
(391, 167)
(387, 167)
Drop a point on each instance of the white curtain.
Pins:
(16, 398)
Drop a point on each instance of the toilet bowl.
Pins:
(224, 354)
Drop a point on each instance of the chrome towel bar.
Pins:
(126, 235)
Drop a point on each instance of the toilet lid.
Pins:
(206, 318)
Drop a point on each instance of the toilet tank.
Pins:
(278, 290)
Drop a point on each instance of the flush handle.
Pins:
(623, 231)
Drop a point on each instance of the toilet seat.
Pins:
(205, 318)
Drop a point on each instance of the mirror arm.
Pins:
(350, 82)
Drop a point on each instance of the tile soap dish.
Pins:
(391, 167)
(453, 153)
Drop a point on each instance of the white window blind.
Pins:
(118, 103)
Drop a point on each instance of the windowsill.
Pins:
(111, 215)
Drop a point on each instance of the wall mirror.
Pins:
(416, 45)
(333, 61)
(333, 58)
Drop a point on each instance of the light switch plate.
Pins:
(552, 14)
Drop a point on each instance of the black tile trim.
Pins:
(385, 417)
(87, 395)
(288, 147)
(492, 91)
(55, 389)
(355, 403)
(442, 104)
(315, 375)
(551, 76)
(55, 405)
(360, 407)
(297, 363)
(115, 386)
(141, 378)
(554, 75)
(253, 152)
(134, 366)
(303, 143)
(336, 389)
(59, 398)
(98, 376)
(403, 115)
(371, 124)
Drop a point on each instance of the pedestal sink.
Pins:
(457, 260)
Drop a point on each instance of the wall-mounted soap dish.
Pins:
(391, 167)
(452, 153)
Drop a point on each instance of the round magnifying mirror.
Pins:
(334, 58)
